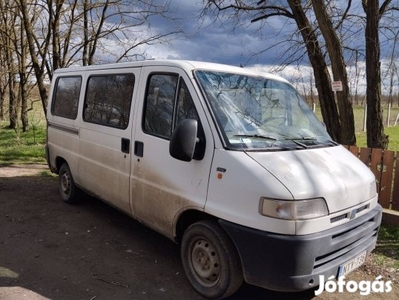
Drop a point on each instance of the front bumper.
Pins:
(294, 263)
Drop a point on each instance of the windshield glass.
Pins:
(258, 112)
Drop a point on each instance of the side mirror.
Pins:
(183, 140)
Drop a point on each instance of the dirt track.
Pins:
(50, 250)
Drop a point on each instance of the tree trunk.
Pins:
(375, 127)
(39, 71)
(23, 80)
(338, 66)
(2, 98)
(85, 55)
(323, 81)
(54, 21)
(13, 105)
(24, 102)
(2, 107)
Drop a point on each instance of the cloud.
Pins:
(258, 45)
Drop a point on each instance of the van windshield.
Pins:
(261, 113)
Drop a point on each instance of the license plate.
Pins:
(352, 264)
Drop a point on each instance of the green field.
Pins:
(392, 131)
(17, 147)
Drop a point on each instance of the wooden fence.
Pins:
(385, 166)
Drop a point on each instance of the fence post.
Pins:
(395, 195)
(386, 172)
(375, 164)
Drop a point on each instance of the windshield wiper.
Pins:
(255, 136)
(299, 143)
(333, 142)
(297, 140)
(302, 138)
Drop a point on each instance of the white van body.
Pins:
(228, 162)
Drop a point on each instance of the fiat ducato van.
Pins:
(228, 162)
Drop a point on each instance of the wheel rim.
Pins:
(205, 262)
(65, 183)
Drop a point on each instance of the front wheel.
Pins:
(68, 191)
(210, 260)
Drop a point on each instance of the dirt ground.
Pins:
(51, 250)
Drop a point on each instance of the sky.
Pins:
(213, 41)
(246, 44)
(217, 41)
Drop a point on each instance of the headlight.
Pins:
(294, 209)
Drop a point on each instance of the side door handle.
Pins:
(138, 148)
(125, 145)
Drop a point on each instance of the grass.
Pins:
(22, 148)
(17, 147)
(387, 251)
(391, 130)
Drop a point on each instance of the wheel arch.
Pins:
(188, 218)
(58, 163)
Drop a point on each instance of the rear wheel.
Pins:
(210, 260)
(68, 191)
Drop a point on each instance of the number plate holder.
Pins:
(352, 264)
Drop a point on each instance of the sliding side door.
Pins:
(105, 136)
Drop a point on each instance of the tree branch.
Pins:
(344, 15)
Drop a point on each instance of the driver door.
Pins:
(162, 186)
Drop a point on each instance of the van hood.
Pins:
(332, 173)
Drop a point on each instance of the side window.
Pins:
(167, 103)
(185, 104)
(159, 104)
(108, 100)
(66, 97)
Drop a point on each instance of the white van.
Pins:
(230, 163)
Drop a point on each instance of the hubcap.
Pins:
(205, 262)
(65, 183)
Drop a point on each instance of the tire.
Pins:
(210, 260)
(68, 191)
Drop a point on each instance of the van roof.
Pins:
(187, 65)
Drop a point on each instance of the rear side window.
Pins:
(108, 100)
(66, 97)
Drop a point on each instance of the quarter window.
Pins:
(108, 100)
(66, 97)
(185, 104)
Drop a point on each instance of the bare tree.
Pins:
(123, 31)
(8, 24)
(375, 127)
(84, 30)
(3, 86)
(37, 55)
(322, 76)
(329, 34)
(296, 11)
(338, 66)
(55, 13)
(76, 32)
(21, 57)
(3, 68)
